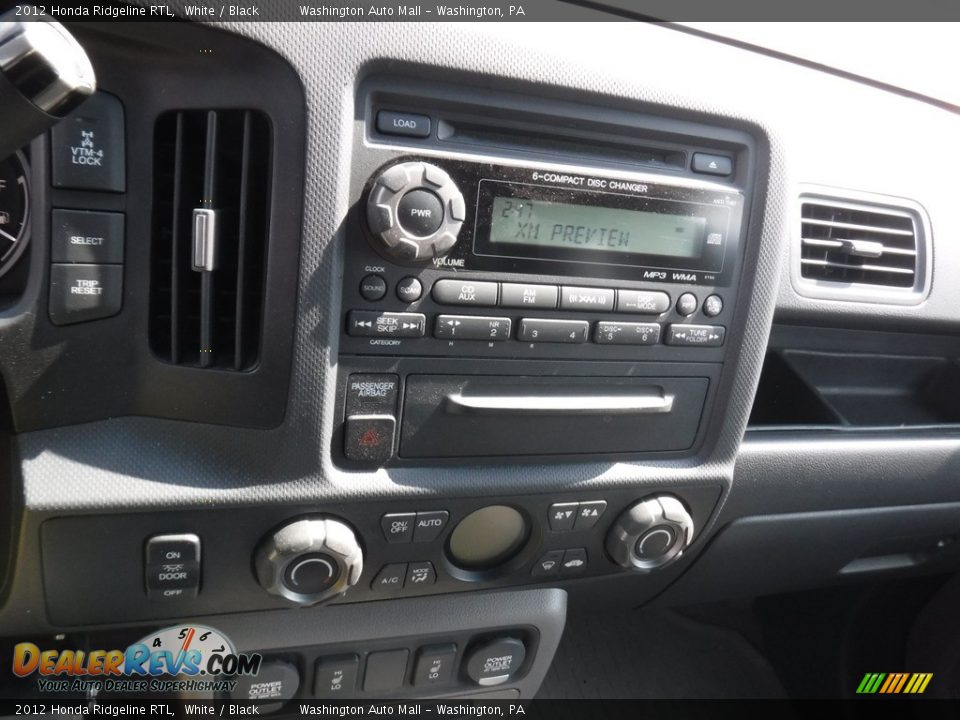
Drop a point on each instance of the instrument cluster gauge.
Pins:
(14, 210)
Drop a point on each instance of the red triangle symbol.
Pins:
(370, 438)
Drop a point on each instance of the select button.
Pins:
(79, 236)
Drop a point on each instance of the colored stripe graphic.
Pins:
(894, 683)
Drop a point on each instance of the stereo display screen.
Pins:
(526, 221)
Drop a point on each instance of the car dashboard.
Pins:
(389, 353)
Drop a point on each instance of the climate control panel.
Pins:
(275, 557)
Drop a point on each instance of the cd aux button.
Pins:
(580, 298)
(465, 292)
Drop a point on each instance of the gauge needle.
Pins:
(185, 646)
(8, 236)
(186, 641)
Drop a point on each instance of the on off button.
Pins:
(420, 212)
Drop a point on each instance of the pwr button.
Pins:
(369, 438)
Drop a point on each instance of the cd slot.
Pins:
(536, 138)
(485, 416)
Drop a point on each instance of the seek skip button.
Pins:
(429, 525)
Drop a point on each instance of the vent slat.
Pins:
(215, 160)
(853, 226)
(853, 244)
(208, 301)
(242, 245)
(174, 244)
(887, 250)
(863, 268)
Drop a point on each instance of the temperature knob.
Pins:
(650, 534)
(309, 560)
(415, 211)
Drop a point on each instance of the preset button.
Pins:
(627, 333)
(554, 331)
(472, 327)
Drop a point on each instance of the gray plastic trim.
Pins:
(544, 609)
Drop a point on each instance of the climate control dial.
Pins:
(650, 534)
(415, 211)
(309, 560)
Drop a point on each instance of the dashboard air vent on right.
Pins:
(861, 251)
(210, 226)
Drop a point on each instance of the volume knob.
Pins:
(309, 560)
(650, 534)
(415, 211)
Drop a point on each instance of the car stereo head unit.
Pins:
(522, 284)
(515, 219)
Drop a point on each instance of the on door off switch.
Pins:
(172, 566)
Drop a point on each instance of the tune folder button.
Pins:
(696, 335)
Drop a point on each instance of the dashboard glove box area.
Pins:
(485, 416)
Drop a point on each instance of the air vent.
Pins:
(861, 250)
(211, 212)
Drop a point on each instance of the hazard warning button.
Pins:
(369, 438)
